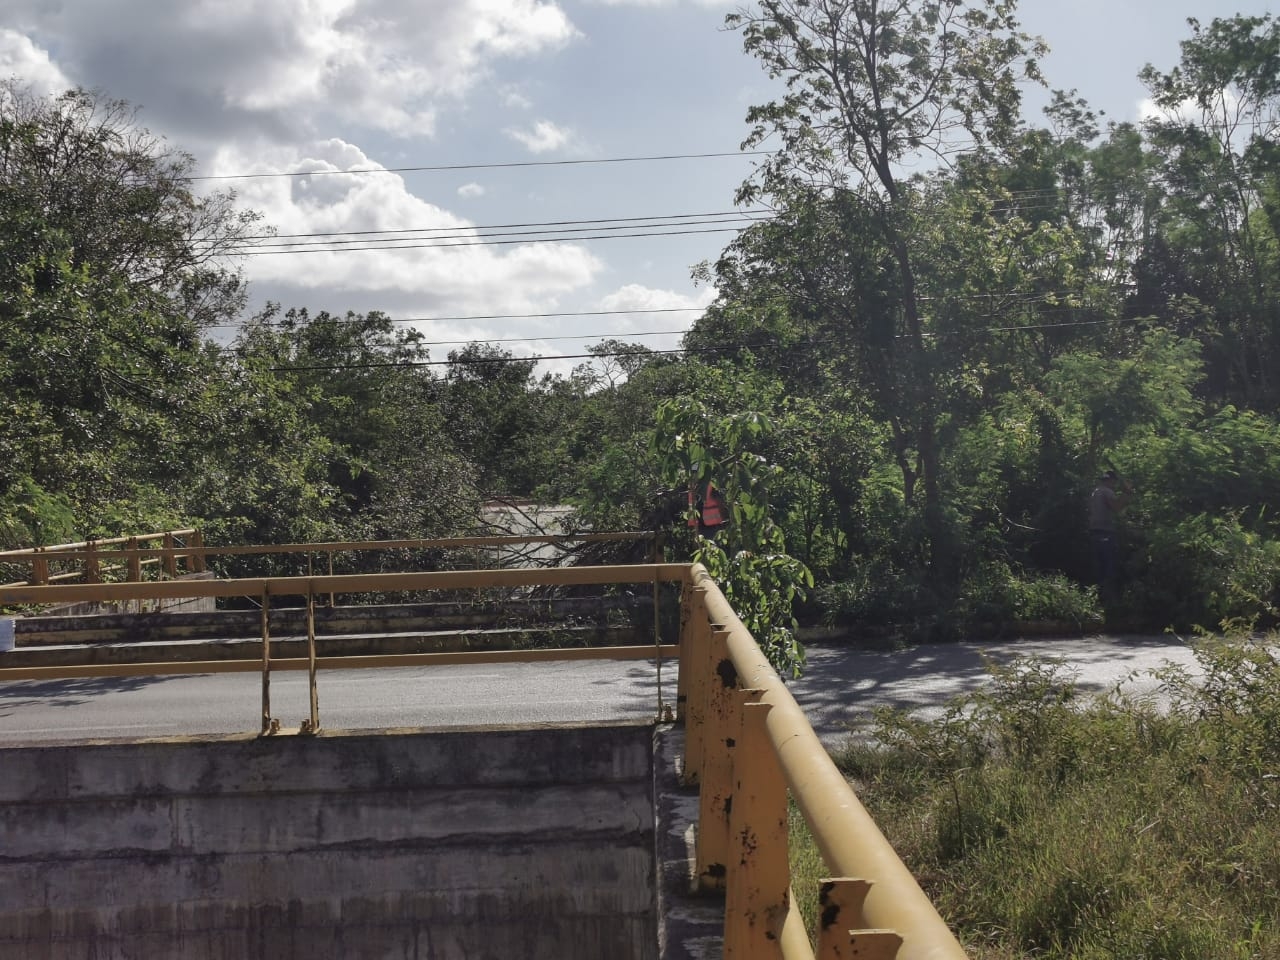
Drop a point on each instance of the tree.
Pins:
(110, 268)
(359, 386)
(1216, 251)
(872, 86)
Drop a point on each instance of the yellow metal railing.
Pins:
(748, 744)
(184, 551)
(748, 747)
(124, 558)
(267, 589)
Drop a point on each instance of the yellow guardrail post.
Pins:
(91, 572)
(39, 567)
(268, 725)
(695, 674)
(715, 781)
(684, 639)
(758, 880)
(847, 837)
(329, 553)
(170, 560)
(133, 559)
(840, 903)
(312, 725)
(196, 557)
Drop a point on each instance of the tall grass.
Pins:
(1046, 824)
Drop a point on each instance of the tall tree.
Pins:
(874, 86)
(1217, 244)
(110, 268)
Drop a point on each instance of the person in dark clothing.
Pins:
(1105, 504)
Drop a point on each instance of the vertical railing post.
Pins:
(91, 572)
(685, 641)
(758, 892)
(840, 911)
(196, 556)
(312, 725)
(664, 712)
(268, 725)
(39, 568)
(695, 670)
(715, 782)
(170, 561)
(133, 560)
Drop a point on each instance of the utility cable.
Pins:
(483, 166)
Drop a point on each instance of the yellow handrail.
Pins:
(851, 845)
(748, 745)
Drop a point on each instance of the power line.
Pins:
(505, 316)
(427, 233)
(672, 352)
(481, 243)
(482, 166)
(510, 226)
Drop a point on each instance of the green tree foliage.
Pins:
(354, 415)
(747, 556)
(109, 271)
(871, 86)
(1213, 255)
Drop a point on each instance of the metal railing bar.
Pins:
(61, 549)
(355, 662)
(850, 842)
(347, 583)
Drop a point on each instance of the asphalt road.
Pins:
(840, 688)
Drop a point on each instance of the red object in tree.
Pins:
(711, 511)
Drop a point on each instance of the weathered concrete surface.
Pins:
(403, 844)
(690, 925)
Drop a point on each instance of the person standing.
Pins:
(1105, 504)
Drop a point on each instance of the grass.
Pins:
(1046, 824)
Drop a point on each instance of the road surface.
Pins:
(841, 687)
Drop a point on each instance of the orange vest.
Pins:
(712, 511)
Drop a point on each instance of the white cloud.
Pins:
(685, 308)
(402, 248)
(634, 296)
(382, 65)
(21, 58)
(543, 138)
(469, 190)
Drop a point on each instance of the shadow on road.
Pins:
(16, 694)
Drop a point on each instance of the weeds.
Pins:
(1047, 824)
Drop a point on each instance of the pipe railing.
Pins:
(748, 747)
(268, 589)
(748, 744)
(123, 557)
(185, 551)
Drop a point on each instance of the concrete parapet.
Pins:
(407, 844)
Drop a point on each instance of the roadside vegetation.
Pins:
(1048, 824)
(948, 318)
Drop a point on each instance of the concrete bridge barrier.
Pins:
(530, 843)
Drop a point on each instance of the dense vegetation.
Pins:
(1046, 823)
(910, 379)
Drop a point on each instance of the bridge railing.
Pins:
(171, 553)
(749, 747)
(265, 590)
(119, 558)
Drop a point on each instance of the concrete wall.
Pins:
(469, 844)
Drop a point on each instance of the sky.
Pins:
(530, 114)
